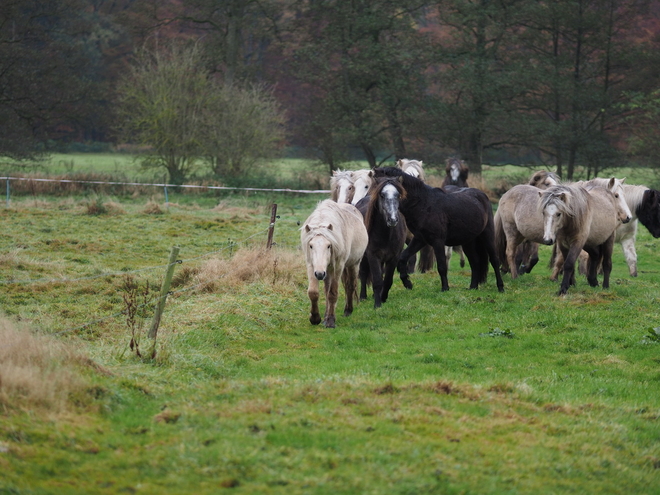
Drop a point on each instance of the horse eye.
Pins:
(558, 215)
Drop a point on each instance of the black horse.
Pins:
(387, 235)
(439, 218)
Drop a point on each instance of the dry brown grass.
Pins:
(36, 372)
(249, 265)
(152, 208)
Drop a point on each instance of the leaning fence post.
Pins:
(164, 290)
(271, 227)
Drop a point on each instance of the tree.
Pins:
(363, 62)
(241, 126)
(47, 72)
(170, 102)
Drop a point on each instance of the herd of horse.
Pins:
(377, 221)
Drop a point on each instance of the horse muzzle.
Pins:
(627, 219)
(320, 275)
(548, 242)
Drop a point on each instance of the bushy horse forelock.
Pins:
(569, 200)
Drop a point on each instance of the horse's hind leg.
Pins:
(593, 263)
(364, 277)
(441, 261)
(630, 254)
(376, 279)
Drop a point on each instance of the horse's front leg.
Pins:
(376, 279)
(593, 263)
(570, 256)
(313, 294)
(630, 254)
(441, 260)
(415, 245)
(349, 280)
(388, 279)
(331, 296)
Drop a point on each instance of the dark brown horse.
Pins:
(387, 235)
(438, 218)
(457, 173)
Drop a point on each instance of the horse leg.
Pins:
(388, 278)
(349, 280)
(331, 296)
(494, 262)
(415, 245)
(459, 250)
(593, 262)
(376, 279)
(472, 254)
(570, 255)
(313, 294)
(533, 256)
(630, 254)
(512, 246)
(364, 277)
(607, 249)
(441, 261)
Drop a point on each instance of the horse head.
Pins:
(362, 180)
(386, 195)
(649, 211)
(319, 249)
(341, 185)
(544, 179)
(623, 211)
(555, 207)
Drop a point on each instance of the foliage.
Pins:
(171, 103)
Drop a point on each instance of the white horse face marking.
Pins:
(551, 222)
(319, 253)
(362, 186)
(346, 191)
(389, 203)
(454, 172)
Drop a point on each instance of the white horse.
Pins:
(412, 167)
(334, 240)
(362, 181)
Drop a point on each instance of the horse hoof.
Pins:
(330, 323)
(315, 320)
(407, 284)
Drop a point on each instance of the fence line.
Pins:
(188, 186)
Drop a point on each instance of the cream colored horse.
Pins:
(334, 239)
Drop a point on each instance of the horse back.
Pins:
(604, 219)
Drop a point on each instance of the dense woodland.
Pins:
(563, 83)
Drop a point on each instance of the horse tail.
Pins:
(426, 259)
(500, 241)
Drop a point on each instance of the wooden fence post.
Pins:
(271, 227)
(164, 290)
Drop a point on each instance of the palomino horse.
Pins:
(341, 186)
(578, 218)
(440, 219)
(387, 236)
(334, 239)
(544, 179)
(518, 218)
(456, 173)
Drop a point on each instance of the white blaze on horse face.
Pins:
(454, 172)
(320, 254)
(361, 189)
(551, 215)
(389, 201)
(346, 191)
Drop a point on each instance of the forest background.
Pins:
(567, 84)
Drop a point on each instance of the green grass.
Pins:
(456, 392)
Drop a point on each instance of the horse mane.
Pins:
(571, 200)
(404, 164)
(374, 193)
(538, 178)
(634, 196)
(409, 182)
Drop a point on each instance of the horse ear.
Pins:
(611, 183)
(330, 227)
(540, 194)
(623, 180)
(371, 173)
(400, 179)
(307, 228)
(562, 196)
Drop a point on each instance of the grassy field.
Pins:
(456, 392)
